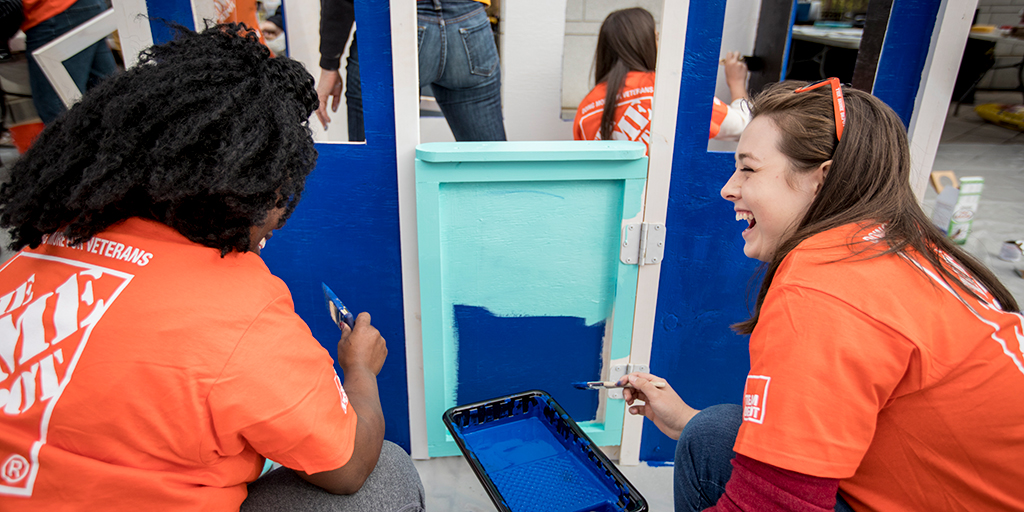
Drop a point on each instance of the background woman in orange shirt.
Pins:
(627, 51)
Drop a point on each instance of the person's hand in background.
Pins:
(329, 86)
(735, 75)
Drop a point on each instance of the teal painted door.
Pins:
(521, 281)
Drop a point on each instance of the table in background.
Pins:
(820, 52)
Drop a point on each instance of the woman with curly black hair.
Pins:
(148, 357)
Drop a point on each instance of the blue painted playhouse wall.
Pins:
(345, 232)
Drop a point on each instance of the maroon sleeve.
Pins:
(755, 485)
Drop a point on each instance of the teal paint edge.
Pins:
(625, 284)
(529, 151)
(428, 233)
(624, 309)
(460, 172)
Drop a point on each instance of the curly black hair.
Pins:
(206, 134)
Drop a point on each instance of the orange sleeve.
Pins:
(300, 419)
(718, 112)
(577, 130)
(820, 372)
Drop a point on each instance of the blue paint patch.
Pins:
(502, 355)
(345, 230)
(162, 11)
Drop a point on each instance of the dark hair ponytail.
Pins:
(626, 43)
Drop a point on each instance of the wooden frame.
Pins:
(52, 55)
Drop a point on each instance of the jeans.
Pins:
(704, 455)
(86, 67)
(458, 58)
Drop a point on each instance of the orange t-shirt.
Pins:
(239, 12)
(874, 372)
(38, 11)
(141, 370)
(632, 112)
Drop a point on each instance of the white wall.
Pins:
(999, 12)
(532, 39)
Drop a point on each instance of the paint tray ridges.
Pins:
(554, 483)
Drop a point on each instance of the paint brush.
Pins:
(597, 384)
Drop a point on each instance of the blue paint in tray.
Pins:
(530, 455)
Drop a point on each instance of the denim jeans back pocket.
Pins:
(480, 48)
(419, 36)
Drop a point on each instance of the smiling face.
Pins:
(765, 192)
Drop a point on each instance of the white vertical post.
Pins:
(133, 28)
(52, 55)
(406, 70)
(952, 27)
(203, 10)
(663, 133)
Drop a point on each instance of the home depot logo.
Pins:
(755, 398)
(45, 323)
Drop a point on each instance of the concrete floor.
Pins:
(969, 147)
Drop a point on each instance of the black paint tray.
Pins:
(530, 455)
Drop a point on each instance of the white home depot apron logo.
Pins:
(45, 323)
(755, 397)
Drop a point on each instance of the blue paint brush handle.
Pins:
(339, 313)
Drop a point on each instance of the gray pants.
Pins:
(394, 486)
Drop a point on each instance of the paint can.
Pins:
(1012, 250)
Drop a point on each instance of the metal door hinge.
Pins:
(642, 244)
(617, 371)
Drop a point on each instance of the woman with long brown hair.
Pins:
(627, 51)
(886, 363)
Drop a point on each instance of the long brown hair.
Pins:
(627, 42)
(868, 182)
